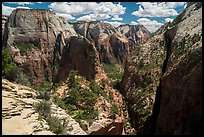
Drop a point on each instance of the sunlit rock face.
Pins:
(112, 45)
(136, 33)
(35, 39)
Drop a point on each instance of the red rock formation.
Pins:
(109, 42)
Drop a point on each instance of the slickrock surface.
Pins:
(20, 118)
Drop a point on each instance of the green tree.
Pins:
(9, 68)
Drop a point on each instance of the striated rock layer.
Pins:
(20, 118)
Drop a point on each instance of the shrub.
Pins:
(57, 126)
(111, 96)
(43, 95)
(43, 108)
(94, 86)
(9, 68)
(82, 125)
(22, 78)
(44, 85)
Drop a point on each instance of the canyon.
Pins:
(159, 92)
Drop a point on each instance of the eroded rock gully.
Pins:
(176, 88)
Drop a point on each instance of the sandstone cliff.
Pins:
(109, 42)
(136, 33)
(162, 80)
(78, 54)
(180, 104)
(35, 39)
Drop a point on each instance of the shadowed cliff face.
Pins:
(78, 54)
(176, 87)
(4, 19)
(181, 88)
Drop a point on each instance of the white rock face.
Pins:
(20, 118)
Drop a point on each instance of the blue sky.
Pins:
(150, 14)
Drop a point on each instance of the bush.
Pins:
(45, 95)
(82, 125)
(43, 108)
(43, 86)
(111, 96)
(94, 86)
(9, 68)
(22, 78)
(57, 126)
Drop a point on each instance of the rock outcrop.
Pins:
(78, 54)
(109, 42)
(35, 39)
(162, 79)
(20, 118)
(106, 124)
(136, 33)
(142, 72)
(180, 111)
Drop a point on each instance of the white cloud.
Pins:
(133, 23)
(115, 23)
(6, 10)
(168, 20)
(151, 25)
(66, 16)
(157, 9)
(20, 3)
(89, 10)
(39, 2)
(116, 17)
(93, 17)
